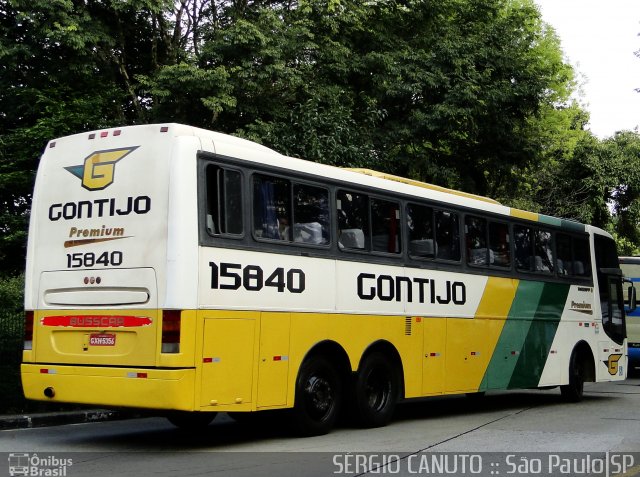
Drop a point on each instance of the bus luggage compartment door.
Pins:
(227, 361)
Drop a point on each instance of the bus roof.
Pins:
(244, 149)
(426, 185)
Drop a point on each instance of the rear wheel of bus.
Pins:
(318, 397)
(376, 390)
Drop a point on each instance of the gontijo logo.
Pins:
(612, 363)
(98, 170)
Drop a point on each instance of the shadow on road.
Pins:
(226, 432)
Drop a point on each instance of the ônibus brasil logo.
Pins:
(34, 465)
(98, 169)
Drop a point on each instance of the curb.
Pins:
(23, 421)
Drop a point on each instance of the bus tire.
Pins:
(191, 421)
(318, 397)
(376, 391)
(573, 392)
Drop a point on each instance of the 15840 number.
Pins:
(232, 276)
(89, 259)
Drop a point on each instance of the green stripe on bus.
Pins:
(569, 225)
(542, 331)
(573, 226)
(514, 334)
(547, 219)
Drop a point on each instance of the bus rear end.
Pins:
(98, 330)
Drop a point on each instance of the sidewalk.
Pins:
(24, 421)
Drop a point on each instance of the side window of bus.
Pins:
(564, 254)
(271, 208)
(224, 201)
(311, 214)
(385, 226)
(475, 229)
(581, 258)
(420, 231)
(533, 249)
(543, 258)
(523, 240)
(353, 220)
(499, 244)
(572, 256)
(447, 235)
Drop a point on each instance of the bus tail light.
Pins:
(171, 331)
(28, 330)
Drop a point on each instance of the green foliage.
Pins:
(11, 339)
(626, 248)
(183, 92)
(11, 311)
(470, 94)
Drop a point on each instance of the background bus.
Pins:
(631, 268)
(189, 272)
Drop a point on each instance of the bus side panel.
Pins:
(465, 362)
(227, 373)
(537, 344)
(470, 343)
(494, 307)
(435, 344)
(273, 361)
(355, 334)
(514, 333)
(578, 323)
(631, 269)
(633, 334)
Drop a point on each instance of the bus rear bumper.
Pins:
(171, 389)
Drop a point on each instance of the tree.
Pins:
(470, 94)
(625, 203)
(440, 91)
(597, 183)
(71, 66)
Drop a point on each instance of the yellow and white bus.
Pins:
(189, 272)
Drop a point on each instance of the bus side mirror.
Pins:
(632, 297)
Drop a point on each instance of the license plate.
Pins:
(102, 339)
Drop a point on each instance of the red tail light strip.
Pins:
(96, 321)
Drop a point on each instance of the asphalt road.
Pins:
(505, 433)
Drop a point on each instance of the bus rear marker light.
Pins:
(137, 375)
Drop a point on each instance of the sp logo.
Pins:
(98, 170)
(612, 363)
